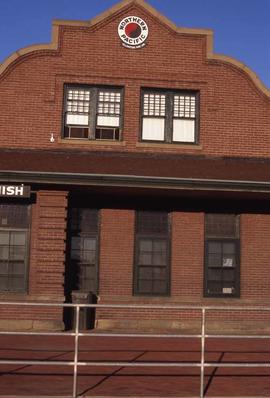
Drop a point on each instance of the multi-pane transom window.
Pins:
(14, 231)
(222, 255)
(93, 113)
(169, 116)
(152, 268)
(84, 249)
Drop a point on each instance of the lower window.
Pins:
(222, 255)
(152, 266)
(14, 232)
(84, 249)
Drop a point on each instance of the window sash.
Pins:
(153, 129)
(183, 130)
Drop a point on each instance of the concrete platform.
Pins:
(111, 381)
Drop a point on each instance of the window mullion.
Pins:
(9, 254)
(168, 118)
(93, 113)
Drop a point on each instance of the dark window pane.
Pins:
(146, 245)
(159, 273)
(214, 287)
(145, 259)
(222, 226)
(76, 132)
(214, 247)
(159, 287)
(214, 260)
(4, 238)
(228, 247)
(84, 220)
(88, 257)
(17, 253)
(17, 238)
(89, 244)
(229, 275)
(16, 283)
(145, 286)
(4, 252)
(160, 246)
(107, 133)
(152, 223)
(16, 268)
(3, 267)
(75, 254)
(159, 259)
(3, 282)
(14, 216)
(145, 273)
(76, 243)
(214, 274)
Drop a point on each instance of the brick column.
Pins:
(48, 236)
(47, 257)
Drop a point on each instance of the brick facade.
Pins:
(121, 177)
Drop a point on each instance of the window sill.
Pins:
(74, 141)
(26, 297)
(169, 146)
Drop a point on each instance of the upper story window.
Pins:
(93, 113)
(222, 255)
(169, 116)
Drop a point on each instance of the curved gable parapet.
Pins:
(235, 63)
(121, 7)
(53, 46)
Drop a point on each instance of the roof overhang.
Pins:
(134, 181)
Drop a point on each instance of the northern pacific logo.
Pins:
(133, 31)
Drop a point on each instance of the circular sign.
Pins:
(133, 31)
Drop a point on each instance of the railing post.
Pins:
(76, 352)
(202, 353)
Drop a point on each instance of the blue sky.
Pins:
(241, 27)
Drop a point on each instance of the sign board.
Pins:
(133, 32)
(18, 191)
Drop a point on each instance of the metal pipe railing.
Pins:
(76, 334)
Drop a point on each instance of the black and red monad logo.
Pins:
(133, 31)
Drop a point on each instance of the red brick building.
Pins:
(145, 166)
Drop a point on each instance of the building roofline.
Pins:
(117, 180)
(210, 55)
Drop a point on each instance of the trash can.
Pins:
(87, 315)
